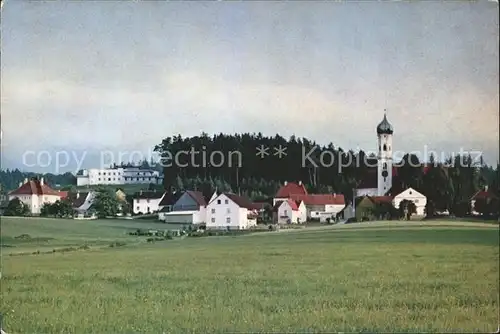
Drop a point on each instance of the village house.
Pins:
(318, 206)
(414, 196)
(35, 193)
(366, 207)
(289, 211)
(147, 202)
(190, 208)
(321, 206)
(82, 202)
(228, 210)
(482, 195)
(167, 203)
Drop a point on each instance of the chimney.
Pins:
(25, 180)
(300, 183)
(41, 181)
(20, 184)
(286, 182)
(486, 188)
(77, 194)
(140, 192)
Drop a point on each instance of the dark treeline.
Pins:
(447, 184)
(10, 179)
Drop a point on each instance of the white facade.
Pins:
(118, 176)
(287, 214)
(384, 165)
(411, 194)
(35, 202)
(222, 212)
(147, 205)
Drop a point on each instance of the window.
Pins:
(138, 208)
(99, 179)
(385, 147)
(286, 213)
(218, 201)
(213, 210)
(226, 201)
(147, 200)
(415, 200)
(109, 179)
(213, 220)
(228, 210)
(228, 220)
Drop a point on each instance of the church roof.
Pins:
(385, 127)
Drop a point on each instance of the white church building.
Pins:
(381, 183)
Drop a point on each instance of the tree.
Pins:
(105, 203)
(406, 209)
(16, 208)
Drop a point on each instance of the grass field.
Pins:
(379, 277)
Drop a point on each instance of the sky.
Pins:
(90, 76)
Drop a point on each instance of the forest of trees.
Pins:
(448, 184)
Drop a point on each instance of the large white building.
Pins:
(35, 193)
(121, 175)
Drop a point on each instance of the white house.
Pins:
(290, 212)
(190, 208)
(230, 211)
(121, 175)
(147, 202)
(35, 193)
(321, 206)
(82, 201)
(411, 194)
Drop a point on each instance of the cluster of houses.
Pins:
(292, 204)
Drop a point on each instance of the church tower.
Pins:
(384, 168)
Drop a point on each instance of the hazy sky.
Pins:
(85, 75)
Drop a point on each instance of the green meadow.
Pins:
(377, 277)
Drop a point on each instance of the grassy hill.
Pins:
(377, 277)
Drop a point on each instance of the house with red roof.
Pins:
(289, 211)
(482, 195)
(288, 189)
(228, 210)
(35, 193)
(318, 206)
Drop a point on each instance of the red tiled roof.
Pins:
(198, 197)
(292, 203)
(320, 199)
(35, 187)
(63, 194)
(291, 189)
